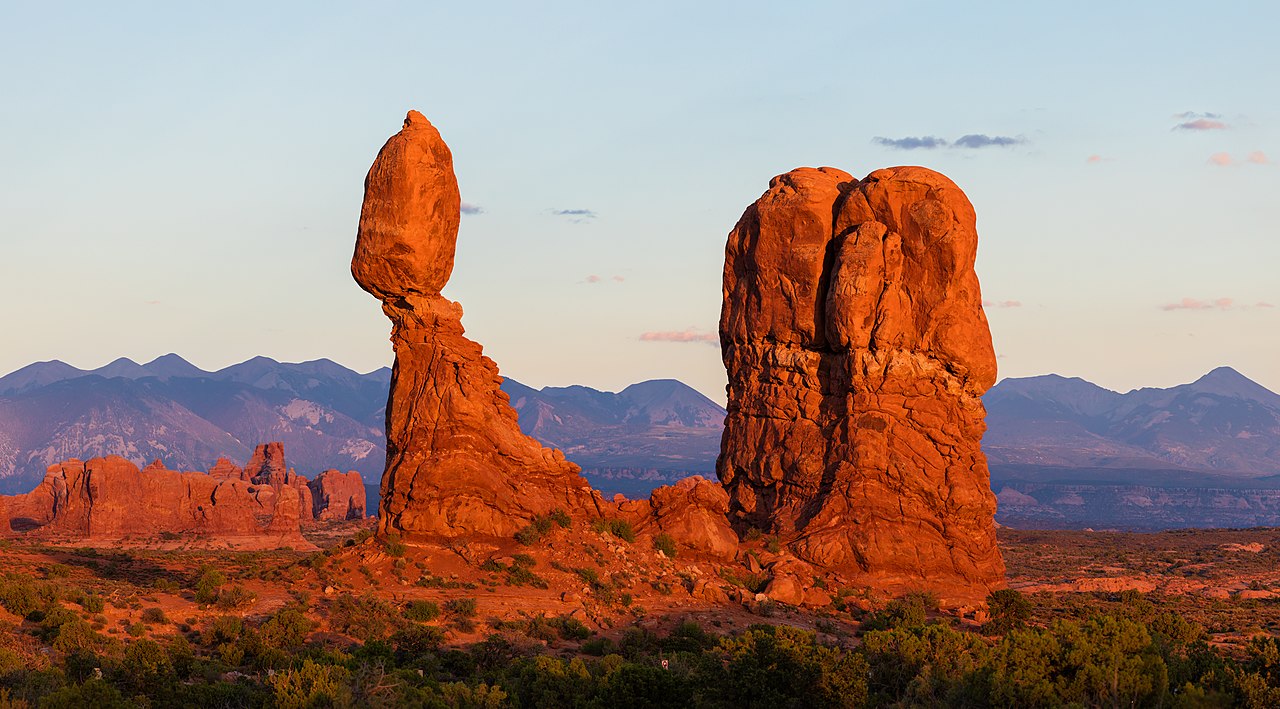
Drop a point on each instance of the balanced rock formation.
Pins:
(857, 352)
(457, 463)
(338, 496)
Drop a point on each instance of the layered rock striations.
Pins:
(457, 462)
(857, 352)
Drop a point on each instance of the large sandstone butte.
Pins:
(457, 463)
(857, 352)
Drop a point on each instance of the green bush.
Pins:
(154, 616)
(1007, 610)
(311, 685)
(393, 546)
(619, 528)
(666, 544)
(366, 618)
(457, 608)
(422, 611)
(208, 585)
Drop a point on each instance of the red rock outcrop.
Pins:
(693, 512)
(457, 463)
(267, 468)
(110, 499)
(338, 496)
(857, 352)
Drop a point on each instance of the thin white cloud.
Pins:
(689, 335)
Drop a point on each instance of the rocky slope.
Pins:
(857, 351)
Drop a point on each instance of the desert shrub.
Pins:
(154, 615)
(145, 665)
(460, 608)
(223, 629)
(599, 647)
(311, 685)
(137, 630)
(91, 602)
(479, 696)
(537, 529)
(93, 693)
(1008, 610)
(22, 598)
(561, 518)
(666, 544)
(422, 611)
(619, 528)
(522, 576)
(392, 544)
(208, 585)
(755, 583)
(366, 618)
(573, 629)
(524, 560)
(907, 612)
(917, 664)
(415, 641)
(689, 637)
(235, 597)
(784, 666)
(286, 629)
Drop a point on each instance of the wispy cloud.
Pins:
(577, 216)
(1098, 159)
(618, 279)
(1188, 115)
(1256, 157)
(594, 278)
(972, 141)
(472, 208)
(689, 335)
(1002, 303)
(1213, 304)
(978, 140)
(926, 142)
(1201, 124)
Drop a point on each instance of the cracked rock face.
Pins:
(457, 463)
(857, 352)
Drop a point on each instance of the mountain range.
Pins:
(1062, 451)
(326, 415)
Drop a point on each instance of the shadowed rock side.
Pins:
(857, 353)
(457, 463)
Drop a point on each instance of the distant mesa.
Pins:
(109, 500)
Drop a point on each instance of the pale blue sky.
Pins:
(189, 178)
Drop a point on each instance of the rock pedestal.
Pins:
(457, 463)
(857, 353)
